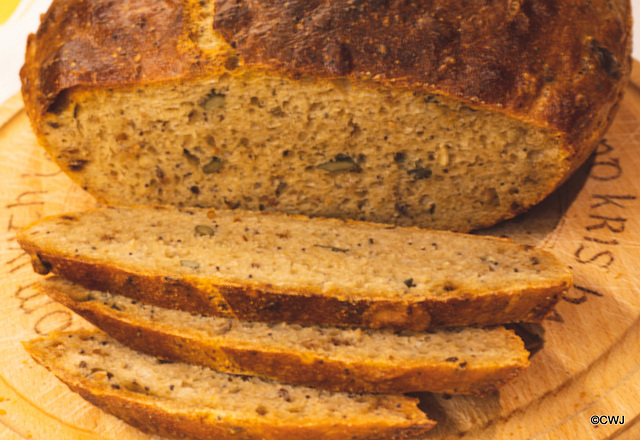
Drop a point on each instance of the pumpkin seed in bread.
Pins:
(185, 401)
(443, 114)
(279, 268)
(464, 360)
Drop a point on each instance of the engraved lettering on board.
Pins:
(607, 219)
(31, 301)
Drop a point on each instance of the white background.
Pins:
(13, 36)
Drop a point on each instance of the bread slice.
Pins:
(460, 360)
(185, 401)
(319, 108)
(279, 268)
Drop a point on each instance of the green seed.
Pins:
(214, 165)
(190, 264)
(340, 163)
(333, 248)
(419, 173)
(205, 230)
(212, 101)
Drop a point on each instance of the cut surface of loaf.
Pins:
(185, 401)
(280, 268)
(461, 360)
(317, 107)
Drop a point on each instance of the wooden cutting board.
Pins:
(587, 361)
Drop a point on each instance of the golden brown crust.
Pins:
(552, 62)
(308, 369)
(559, 64)
(145, 415)
(258, 302)
(501, 53)
(106, 43)
(156, 416)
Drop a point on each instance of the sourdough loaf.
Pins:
(280, 268)
(461, 360)
(185, 401)
(444, 114)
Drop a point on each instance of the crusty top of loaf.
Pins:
(108, 43)
(508, 53)
(557, 63)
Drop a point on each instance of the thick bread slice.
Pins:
(477, 111)
(185, 401)
(462, 360)
(279, 268)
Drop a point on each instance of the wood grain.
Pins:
(587, 365)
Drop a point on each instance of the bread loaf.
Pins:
(279, 268)
(461, 360)
(184, 401)
(445, 114)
